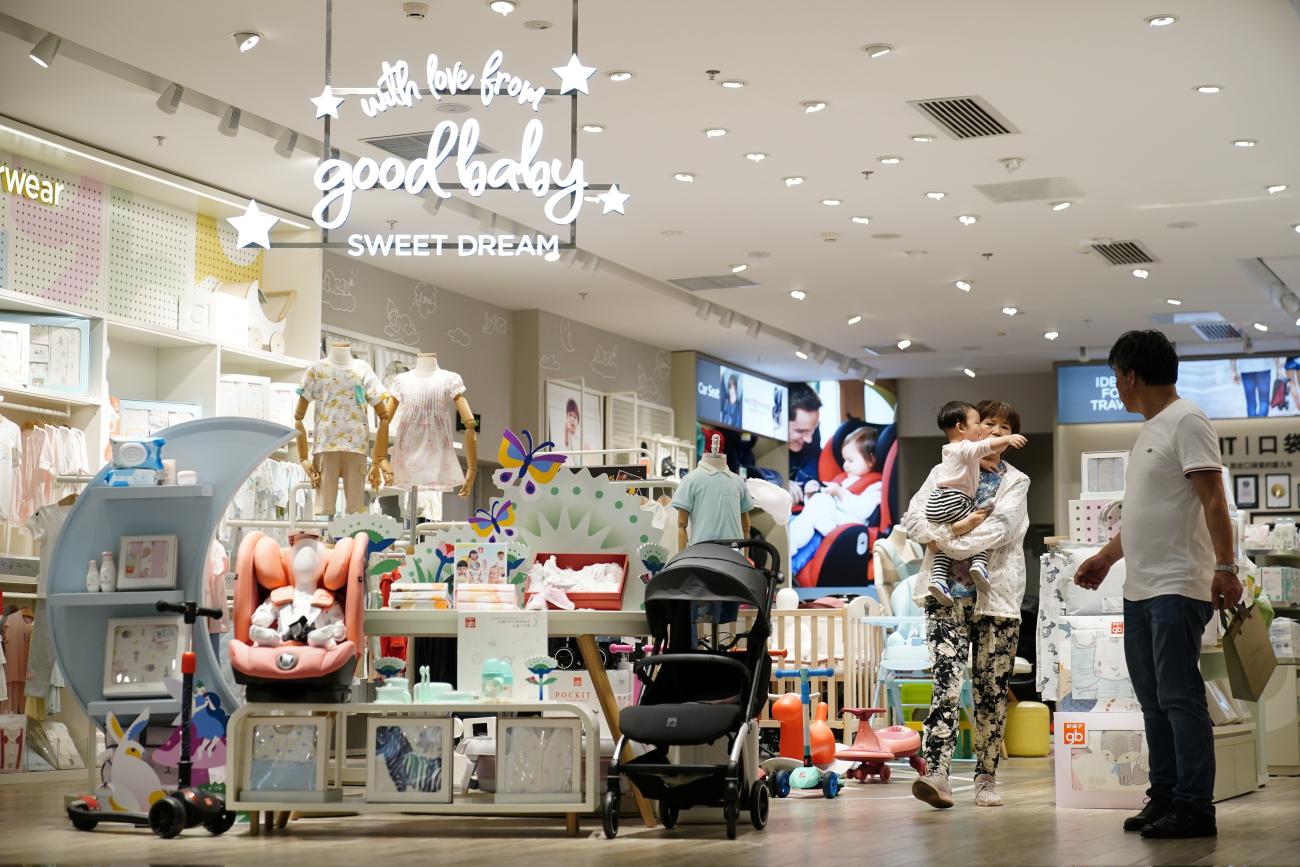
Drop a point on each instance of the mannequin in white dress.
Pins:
(423, 454)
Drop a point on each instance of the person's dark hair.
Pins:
(999, 409)
(733, 381)
(863, 439)
(802, 397)
(571, 407)
(952, 414)
(1147, 354)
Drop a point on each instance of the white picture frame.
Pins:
(1099, 759)
(140, 653)
(585, 432)
(1277, 491)
(539, 761)
(147, 562)
(1101, 475)
(409, 760)
(15, 354)
(286, 757)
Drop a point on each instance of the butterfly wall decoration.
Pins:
(527, 464)
(495, 522)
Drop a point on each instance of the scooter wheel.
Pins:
(782, 785)
(80, 819)
(609, 815)
(167, 817)
(831, 785)
(218, 825)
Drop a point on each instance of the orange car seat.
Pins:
(293, 671)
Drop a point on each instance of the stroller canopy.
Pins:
(705, 572)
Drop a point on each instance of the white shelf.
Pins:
(148, 335)
(127, 709)
(120, 597)
(425, 623)
(16, 566)
(53, 399)
(154, 492)
(1234, 729)
(255, 359)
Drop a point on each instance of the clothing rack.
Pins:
(56, 414)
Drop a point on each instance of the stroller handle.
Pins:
(774, 558)
(644, 663)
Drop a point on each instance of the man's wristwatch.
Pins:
(1230, 568)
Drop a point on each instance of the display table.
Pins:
(1282, 736)
(479, 803)
(1239, 754)
(582, 625)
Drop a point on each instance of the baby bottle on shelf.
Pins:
(107, 573)
(92, 578)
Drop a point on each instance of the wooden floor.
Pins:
(868, 824)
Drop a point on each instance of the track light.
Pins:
(820, 355)
(246, 40)
(755, 327)
(229, 125)
(869, 375)
(42, 53)
(287, 141)
(433, 204)
(703, 310)
(1083, 355)
(802, 352)
(726, 318)
(170, 99)
(845, 364)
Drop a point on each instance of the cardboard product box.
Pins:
(1101, 760)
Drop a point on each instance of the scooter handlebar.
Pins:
(796, 672)
(185, 608)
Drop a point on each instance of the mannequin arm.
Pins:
(744, 525)
(471, 445)
(683, 517)
(304, 458)
(381, 472)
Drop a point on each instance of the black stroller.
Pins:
(693, 695)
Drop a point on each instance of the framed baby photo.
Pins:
(480, 563)
(140, 653)
(539, 761)
(147, 563)
(1246, 489)
(286, 759)
(408, 760)
(1277, 491)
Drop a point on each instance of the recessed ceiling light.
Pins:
(936, 195)
(733, 83)
(671, 233)
(1141, 273)
(453, 108)
(798, 294)
(903, 344)
(1051, 335)
(618, 75)
(803, 356)
(714, 132)
(793, 181)
(756, 156)
(502, 7)
(963, 285)
(1181, 224)
(552, 256)
(1162, 20)
(1276, 188)
(861, 221)
(1245, 143)
(1296, 228)
(830, 203)
(1060, 206)
(685, 177)
(736, 269)
(915, 254)
(922, 138)
(813, 106)
(968, 219)
(1260, 326)
(968, 372)
(42, 53)
(855, 319)
(1209, 88)
(886, 236)
(890, 161)
(1011, 311)
(247, 40)
(592, 127)
(877, 49)
(1174, 302)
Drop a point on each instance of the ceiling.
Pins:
(1099, 98)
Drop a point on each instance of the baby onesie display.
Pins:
(423, 454)
(715, 499)
(341, 395)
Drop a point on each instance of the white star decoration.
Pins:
(327, 103)
(254, 227)
(573, 75)
(613, 200)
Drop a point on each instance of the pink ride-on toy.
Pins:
(874, 748)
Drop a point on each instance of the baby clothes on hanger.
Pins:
(11, 468)
(17, 633)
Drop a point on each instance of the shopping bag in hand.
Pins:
(1247, 652)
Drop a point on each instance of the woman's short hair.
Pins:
(999, 409)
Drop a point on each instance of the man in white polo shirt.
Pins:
(1180, 564)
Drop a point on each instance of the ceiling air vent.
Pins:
(1124, 253)
(414, 145)
(1217, 332)
(724, 281)
(965, 117)
(892, 349)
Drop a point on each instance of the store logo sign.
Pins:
(30, 185)
(1075, 734)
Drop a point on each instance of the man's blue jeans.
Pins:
(1162, 646)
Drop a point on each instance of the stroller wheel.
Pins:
(668, 815)
(758, 806)
(731, 809)
(609, 815)
(781, 784)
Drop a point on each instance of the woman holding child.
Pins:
(982, 622)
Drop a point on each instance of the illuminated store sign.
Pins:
(338, 180)
(30, 185)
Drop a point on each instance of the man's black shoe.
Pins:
(1155, 809)
(1182, 822)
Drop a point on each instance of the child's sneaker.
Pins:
(979, 574)
(939, 592)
